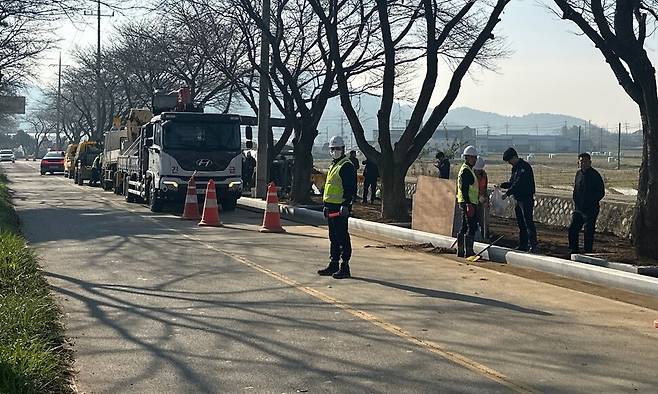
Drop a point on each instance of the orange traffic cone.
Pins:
(210, 211)
(272, 219)
(191, 211)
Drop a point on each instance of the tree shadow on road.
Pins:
(454, 296)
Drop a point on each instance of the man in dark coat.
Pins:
(370, 175)
(522, 187)
(588, 190)
(443, 165)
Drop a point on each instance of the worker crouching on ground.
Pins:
(339, 189)
(588, 190)
(468, 196)
(521, 186)
(483, 206)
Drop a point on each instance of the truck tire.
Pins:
(229, 205)
(155, 202)
(126, 193)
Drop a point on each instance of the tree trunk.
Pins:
(645, 224)
(301, 178)
(394, 198)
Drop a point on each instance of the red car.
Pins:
(52, 162)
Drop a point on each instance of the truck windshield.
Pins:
(202, 136)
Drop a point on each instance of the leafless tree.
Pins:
(619, 29)
(459, 32)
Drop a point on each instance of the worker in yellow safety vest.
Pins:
(468, 194)
(339, 190)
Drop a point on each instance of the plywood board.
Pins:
(434, 206)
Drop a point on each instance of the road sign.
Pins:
(12, 105)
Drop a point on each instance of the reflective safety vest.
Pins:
(473, 189)
(333, 187)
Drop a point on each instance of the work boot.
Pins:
(330, 270)
(534, 249)
(468, 243)
(344, 271)
(460, 246)
(522, 248)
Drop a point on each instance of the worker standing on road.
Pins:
(468, 195)
(522, 187)
(588, 190)
(483, 206)
(339, 189)
(370, 175)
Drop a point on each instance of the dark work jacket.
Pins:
(522, 182)
(348, 176)
(370, 170)
(355, 161)
(444, 168)
(588, 190)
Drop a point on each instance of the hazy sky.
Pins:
(550, 70)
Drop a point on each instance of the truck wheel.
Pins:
(229, 205)
(126, 193)
(155, 202)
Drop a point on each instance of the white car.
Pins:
(7, 155)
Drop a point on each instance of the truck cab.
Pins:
(180, 144)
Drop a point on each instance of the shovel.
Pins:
(478, 256)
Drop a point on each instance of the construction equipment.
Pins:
(478, 256)
(83, 161)
(178, 141)
(69, 159)
(117, 140)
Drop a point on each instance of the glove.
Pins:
(470, 210)
(505, 196)
(325, 212)
(344, 211)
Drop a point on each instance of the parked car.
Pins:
(52, 162)
(7, 155)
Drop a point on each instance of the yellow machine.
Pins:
(84, 158)
(69, 158)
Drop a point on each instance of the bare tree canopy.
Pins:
(459, 32)
(619, 29)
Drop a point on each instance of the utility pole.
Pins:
(506, 128)
(98, 15)
(578, 139)
(619, 148)
(59, 102)
(262, 161)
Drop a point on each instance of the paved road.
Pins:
(155, 304)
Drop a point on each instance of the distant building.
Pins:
(442, 138)
(529, 143)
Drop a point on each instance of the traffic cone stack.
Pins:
(210, 216)
(272, 219)
(191, 211)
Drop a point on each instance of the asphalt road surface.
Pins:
(155, 304)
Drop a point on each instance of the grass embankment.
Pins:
(32, 356)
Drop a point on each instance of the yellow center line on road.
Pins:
(431, 346)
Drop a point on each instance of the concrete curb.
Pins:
(642, 270)
(589, 273)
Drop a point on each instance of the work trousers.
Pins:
(469, 225)
(372, 185)
(524, 219)
(339, 236)
(578, 219)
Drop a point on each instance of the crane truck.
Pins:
(177, 142)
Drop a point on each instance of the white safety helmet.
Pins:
(470, 151)
(336, 142)
(479, 164)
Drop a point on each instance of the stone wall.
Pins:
(616, 217)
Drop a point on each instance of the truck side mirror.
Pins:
(148, 142)
(249, 144)
(249, 134)
(149, 131)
